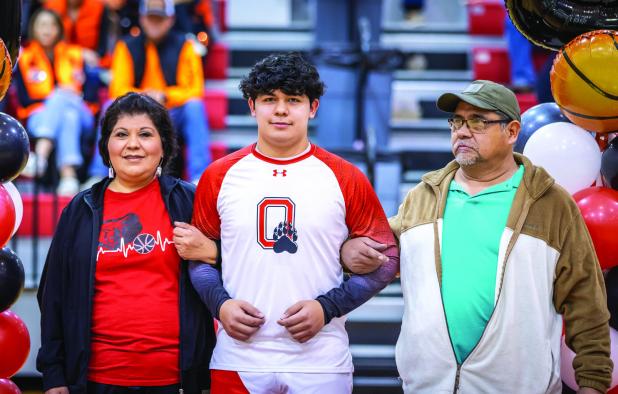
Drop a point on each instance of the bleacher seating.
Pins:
(486, 17)
(492, 64)
(48, 209)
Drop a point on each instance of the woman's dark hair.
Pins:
(288, 72)
(139, 104)
(54, 15)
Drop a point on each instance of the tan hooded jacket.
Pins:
(547, 272)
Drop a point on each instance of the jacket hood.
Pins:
(536, 179)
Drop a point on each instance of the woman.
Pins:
(117, 306)
(54, 99)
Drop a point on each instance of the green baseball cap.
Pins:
(483, 94)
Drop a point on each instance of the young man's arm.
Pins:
(239, 318)
(306, 318)
(364, 217)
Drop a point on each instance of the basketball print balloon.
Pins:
(584, 83)
(5, 69)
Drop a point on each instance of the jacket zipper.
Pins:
(456, 387)
(437, 239)
(516, 232)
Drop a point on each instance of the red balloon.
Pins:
(8, 387)
(7, 216)
(599, 207)
(14, 342)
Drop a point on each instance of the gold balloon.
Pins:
(584, 83)
(6, 69)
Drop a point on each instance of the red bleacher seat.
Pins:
(220, 7)
(217, 61)
(526, 101)
(47, 219)
(492, 64)
(486, 17)
(216, 108)
(218, 150)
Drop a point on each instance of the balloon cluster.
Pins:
(574, 139)
(14, 148)
(14, 337)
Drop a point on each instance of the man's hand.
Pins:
(240, 319)
(303, 320)
(58, 390)
(587, 390)
(191, 244)
(362, 255)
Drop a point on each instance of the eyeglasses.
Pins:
(475, 125)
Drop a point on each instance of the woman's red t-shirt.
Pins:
(135, 315)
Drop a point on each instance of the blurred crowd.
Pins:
(78, 55)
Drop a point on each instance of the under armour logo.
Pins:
(282, 172)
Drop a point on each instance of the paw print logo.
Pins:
(285, 238)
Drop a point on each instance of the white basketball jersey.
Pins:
(281, 224)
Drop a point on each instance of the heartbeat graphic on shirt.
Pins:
(144, 243)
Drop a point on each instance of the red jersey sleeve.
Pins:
(364, 216)
(205, 213)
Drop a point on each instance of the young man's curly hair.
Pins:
(288, 72)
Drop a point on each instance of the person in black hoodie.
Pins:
(117, 306)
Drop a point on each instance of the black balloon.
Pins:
(611, 286)
(553, 23)
(609, 165)
(11, 278)
(14, 148)
(10, 25)
(535, 118)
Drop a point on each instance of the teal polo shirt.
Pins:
(471, 232)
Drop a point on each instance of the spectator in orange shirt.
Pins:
(52, 99)
(165, 66)
(84, 24)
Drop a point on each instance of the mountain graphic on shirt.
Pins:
(125, 228)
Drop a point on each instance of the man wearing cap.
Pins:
(164, 65)
(494, 257)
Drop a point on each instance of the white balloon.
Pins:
(568, 153)
(566, 361)
(17, 203)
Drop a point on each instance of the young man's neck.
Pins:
(282, 152)
(477, 177)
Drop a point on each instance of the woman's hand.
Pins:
(191, 244)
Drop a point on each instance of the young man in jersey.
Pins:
(282, 208)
